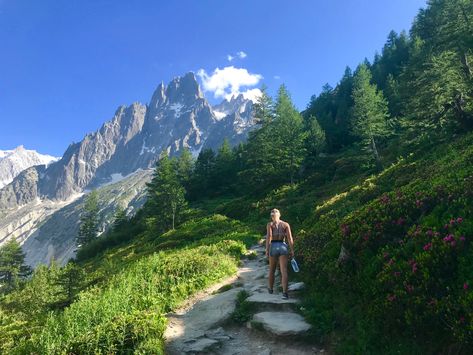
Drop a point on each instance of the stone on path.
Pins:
(200, 345)
(282, 323)
(295, 286)
(274, 298)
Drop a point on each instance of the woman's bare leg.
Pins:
(272, 267)
(283, 268)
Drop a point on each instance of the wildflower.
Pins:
(384, 199)
(427, 246)
(397, 273)
(409, 288)
(391, 298)
(429, 233)
(448, 238)
(466, 286)
(459, 220)
(462, 238)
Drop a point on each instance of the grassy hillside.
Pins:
(126, 293)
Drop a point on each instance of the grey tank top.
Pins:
(279, 231)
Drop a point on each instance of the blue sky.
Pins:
(65, 66)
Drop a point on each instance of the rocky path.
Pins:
(203, 324)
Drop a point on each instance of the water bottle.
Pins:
(294, 265)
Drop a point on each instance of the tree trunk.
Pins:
(379, 166)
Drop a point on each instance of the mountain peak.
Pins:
(184, 89)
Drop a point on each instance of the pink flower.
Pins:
(466, 286)
(391, 298)
(409, 288)
(462, 238)
(428, 246)
(459, 220)
(397, 273)
(429, 233)
(448, 238)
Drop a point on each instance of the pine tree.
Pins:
(119, 217)
(184, 166)
(70, 280)
(370, 112)
(288, 134)
(224, 167)
(315, 141)
(263, 108)
(89, 220)
(166, 195)
(12, 265)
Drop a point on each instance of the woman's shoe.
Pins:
(270, 290)
(285, 296)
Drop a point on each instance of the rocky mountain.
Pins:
(177, 116)
(13, 162)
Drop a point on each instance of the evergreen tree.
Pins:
(315, 141)
(70, 280)
(119, 217)
(263, 108)
(203, 175)
(184, 166)
(288, 135)
(12, 265)
(370, 111)
(224, 167)
(166, 195)
(89, 220)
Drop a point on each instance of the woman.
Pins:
(277, 248)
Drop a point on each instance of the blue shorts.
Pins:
(278, 248)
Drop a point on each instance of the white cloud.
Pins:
(229, 81)
(277, 77)
(252, 94)
(241, 54)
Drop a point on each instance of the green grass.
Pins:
(132, 287)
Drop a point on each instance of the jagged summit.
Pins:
(178, 116)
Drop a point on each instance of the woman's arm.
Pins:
(268, 237)
(290, 240)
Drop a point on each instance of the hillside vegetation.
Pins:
(375, 178)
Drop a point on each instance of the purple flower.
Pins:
(459, 220)
(428, 246)
(462, 238)
(466, 286)
(397, 273)
(384, 199)
(448, 238)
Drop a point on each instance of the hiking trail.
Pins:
(203, 325)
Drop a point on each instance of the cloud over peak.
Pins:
(229, 81)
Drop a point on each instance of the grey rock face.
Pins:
(177, 116)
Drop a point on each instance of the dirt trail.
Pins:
(203, 326)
